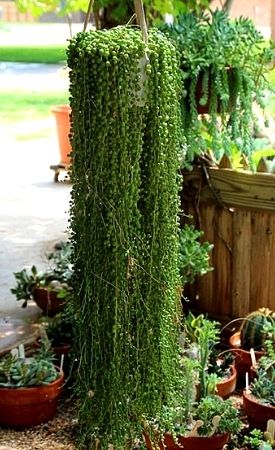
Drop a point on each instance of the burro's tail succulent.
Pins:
(252, 330)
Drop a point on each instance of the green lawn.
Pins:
(26, 105)
(36, 54)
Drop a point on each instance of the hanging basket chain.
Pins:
(139, 10)
(89, 11)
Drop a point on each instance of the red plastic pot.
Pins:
(242, 357)
(48, 301)
(215, 442)
(29, 406)
(228, 385)
(257, 413)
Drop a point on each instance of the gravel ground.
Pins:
(57, 434)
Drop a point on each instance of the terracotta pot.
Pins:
(48, 301)
(257, 413)
(215, 442)
(30, 406)
(62, 118)
(242, 357)
(228, 385)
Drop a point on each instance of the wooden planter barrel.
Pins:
(236, 211)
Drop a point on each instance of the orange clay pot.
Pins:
(225, 387)
(242, 357)
(257, 413)
(29, 406)
(62, 118)
(215, 442)
(48, 301)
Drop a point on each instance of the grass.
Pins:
(52, 54)
(26, 105)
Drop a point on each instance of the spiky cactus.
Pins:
(252, 330)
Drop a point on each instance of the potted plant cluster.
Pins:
(50, 287)
(205, 421)
(29, 387)
(201, 418)
(223, 65)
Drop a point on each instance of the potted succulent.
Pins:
(29, 388)
(223, 64)
(59, 332)
(217, 373)
(251, 335)
(259, 397)
(47, 288)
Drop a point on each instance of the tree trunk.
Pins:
(228, 5)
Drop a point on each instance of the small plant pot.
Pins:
(48, 301)
(215, 442)
(225, 387)
(29, 406)
(62, 117)
(257, 413)
(242, 357)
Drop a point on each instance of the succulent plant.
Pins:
(17, 371)
(253, 334)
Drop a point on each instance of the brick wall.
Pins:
(273, 19)
(9, 13)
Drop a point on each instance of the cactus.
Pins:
(252, 328)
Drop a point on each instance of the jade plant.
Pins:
(194, 255)
(56, 277)
(223, 65)
(126, 137)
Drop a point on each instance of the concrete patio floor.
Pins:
(33, 217)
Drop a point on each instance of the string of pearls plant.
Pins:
(126, 138)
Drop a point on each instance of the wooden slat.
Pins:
(241, 256)
(222, 257)
(244, 189)
(260, 258)
(271, 287)
(204, 284)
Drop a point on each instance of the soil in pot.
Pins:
(48, 301)
(257, 413)
(30, 406)
(242, 357)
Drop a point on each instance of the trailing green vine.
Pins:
(224, 64)
(126, 137)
